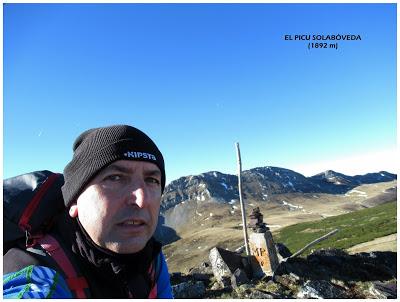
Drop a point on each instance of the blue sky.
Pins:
(199, 77)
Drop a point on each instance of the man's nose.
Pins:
(137, 196)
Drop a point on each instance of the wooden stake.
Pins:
(246, 241)
(314, 242)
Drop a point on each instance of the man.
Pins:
(112, 193)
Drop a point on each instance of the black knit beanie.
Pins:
(96, 148)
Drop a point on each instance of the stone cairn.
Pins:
(256, 221)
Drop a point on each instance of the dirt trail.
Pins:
(387, 243)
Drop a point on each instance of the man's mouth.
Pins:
(132, 222)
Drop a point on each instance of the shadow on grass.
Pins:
(165, 234)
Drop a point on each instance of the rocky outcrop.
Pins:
(321, 289)
(324, 274)
(189, 290)
(200, 188)
(224, 264)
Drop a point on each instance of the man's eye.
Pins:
(153, 180)
(113, 177)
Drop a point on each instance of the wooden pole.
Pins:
(246, 241)
(314, 242)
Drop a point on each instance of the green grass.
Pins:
(354, 228)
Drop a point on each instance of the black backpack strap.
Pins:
(24, 222)
(30, 203)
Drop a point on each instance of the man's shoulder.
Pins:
(16, 259)
(164, 290)
(34, 281)
(26, 275)
(42, 252)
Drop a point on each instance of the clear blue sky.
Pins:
(197, 78)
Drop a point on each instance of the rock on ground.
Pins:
(189, 290)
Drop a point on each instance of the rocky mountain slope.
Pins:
(259, 183)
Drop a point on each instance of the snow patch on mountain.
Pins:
(201, 197)
(291, 206)
(357, 193)
(224, 185)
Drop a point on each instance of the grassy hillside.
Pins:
(354, 228)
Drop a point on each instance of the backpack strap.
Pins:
(24, 221)
(53, 248)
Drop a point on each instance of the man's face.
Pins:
(119, 207)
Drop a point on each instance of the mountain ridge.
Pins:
(261, 182)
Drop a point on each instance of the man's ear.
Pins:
(73, 211)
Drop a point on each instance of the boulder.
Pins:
(202, 269)
(384, 290)
(320, 289)
(216, 286)
(201, 277)
(176, 277)
(282, 250)
(189, 290)
(257, 294)
(289, 281)
(238, 278)
(224, 263)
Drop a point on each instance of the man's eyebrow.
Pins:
(120, 168)
(116, 167)
(153, 172)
